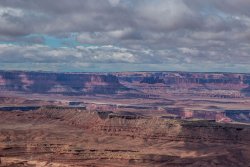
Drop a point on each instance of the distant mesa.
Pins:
(128, 84)
(60, 83)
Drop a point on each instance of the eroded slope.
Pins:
(73, 137)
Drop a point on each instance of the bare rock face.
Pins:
(63, 83)
(145, 84)
(73, 137)
(246, 91)
(184, 77)
(224, 85)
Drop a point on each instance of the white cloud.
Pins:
(178, 33)
(114, 2)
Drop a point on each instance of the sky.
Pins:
(125, 35)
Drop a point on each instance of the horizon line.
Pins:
(170, 71)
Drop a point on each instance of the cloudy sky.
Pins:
(125, 35)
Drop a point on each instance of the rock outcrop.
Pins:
(73, 137)
(62, 83)
(222, 85)
(143, 84)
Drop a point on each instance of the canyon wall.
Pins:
(222, 85)
(63, 83)
(72, 137)
(134, 84)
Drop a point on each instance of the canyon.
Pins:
(220, 84)
(213, 96)
(56, 136)
(68, 84)
(124, 119)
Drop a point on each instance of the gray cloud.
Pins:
(46, 16)
(178, 33)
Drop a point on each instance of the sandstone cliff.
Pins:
(72, 137)
(63, 83)
(224, 85)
